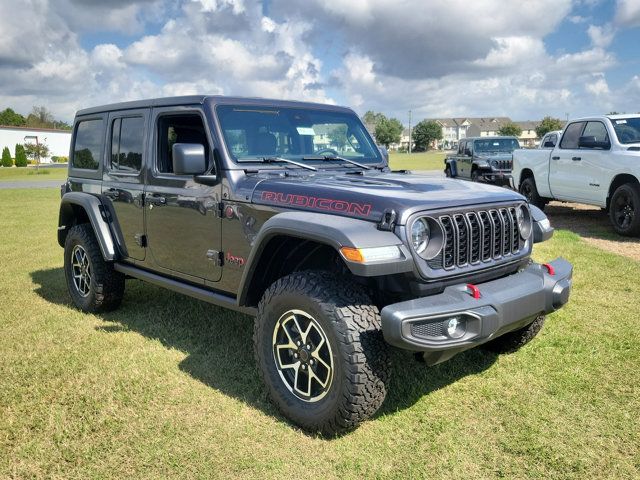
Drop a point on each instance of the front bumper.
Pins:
(505, 304)
(497, 177)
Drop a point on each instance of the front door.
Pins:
(182, 224)
(123, 179)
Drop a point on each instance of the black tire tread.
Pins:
(634, 229)
(536, 199)
(514, 341)
(366, 357)
(108, 284)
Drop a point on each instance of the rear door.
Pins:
(593, 166)
(123, 179)
(565, 165)
(464, 159)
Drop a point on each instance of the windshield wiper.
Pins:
(275, 160)
(327, 158)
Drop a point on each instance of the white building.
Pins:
(58, 141)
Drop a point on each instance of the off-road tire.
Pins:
(529, 190)
(513, 341)
(106, 287)
(361, 363)
(629, 192)
(447, 171)
(475, 175)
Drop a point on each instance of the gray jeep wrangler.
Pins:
(288, 212)
(483, 159)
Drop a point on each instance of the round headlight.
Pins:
(524, 221)
(420, 235)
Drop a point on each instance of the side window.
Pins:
(184, 128)
(87, 146)
(461, 147)
(553, 139)
(572, 135)
(127, 139)
(597, 130)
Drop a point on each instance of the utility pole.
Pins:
(409, 131)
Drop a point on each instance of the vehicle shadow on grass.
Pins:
(219, 345)
(594, 226)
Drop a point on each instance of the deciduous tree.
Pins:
(425, 133)
(548, 124)
(510, 129)
(388, 131)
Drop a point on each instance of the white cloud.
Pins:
(447, 57)
(628, 13)
(601, 36)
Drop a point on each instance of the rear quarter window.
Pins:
(88, 144)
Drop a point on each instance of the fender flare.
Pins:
(330, 230)
(542, 229)
(97, 214)
(454, 166)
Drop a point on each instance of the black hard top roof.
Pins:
(201, 99)
(490, 137)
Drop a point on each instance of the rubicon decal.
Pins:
(329, 204)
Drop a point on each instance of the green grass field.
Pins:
(166, 387)
(30, 174)
(417, 161)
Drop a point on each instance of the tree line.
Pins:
(22, 153)
(389, 130)
(40, 117)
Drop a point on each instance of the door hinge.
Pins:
(220, 209)
(141, 239)
(216, 256)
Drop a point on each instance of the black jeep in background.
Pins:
(288, 212)
(485, 159)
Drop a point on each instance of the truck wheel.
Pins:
(93, 284)
(475, 176)
(513, 341)
(624, 210)
(530, 192)
(320, 351)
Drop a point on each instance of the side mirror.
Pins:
(188, 159)
(591, 142)
(384, 152)
(549, 144)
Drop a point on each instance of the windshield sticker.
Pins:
(306, 131)
(620, 122)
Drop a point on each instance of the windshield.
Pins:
(627, 129)
(294, 133)
(496, 145)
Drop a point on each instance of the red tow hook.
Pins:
(473, 291)
(550, 269)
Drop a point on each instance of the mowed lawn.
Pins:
(166, 387)
(31, 174)
(433, 160)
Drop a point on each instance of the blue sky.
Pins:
(436, 57)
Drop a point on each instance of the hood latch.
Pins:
(388, 221)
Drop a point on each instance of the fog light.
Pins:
(456, 327)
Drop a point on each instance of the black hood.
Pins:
(367, 196)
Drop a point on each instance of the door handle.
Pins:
(156, 200)
(111, 193)
(555, 158)
(576, 159)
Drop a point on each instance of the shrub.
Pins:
(6, 158)
(21, 156)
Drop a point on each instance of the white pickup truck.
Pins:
(596, 161)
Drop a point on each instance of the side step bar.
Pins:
(203, 294)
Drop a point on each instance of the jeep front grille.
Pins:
(474, 237)
(502, 164)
